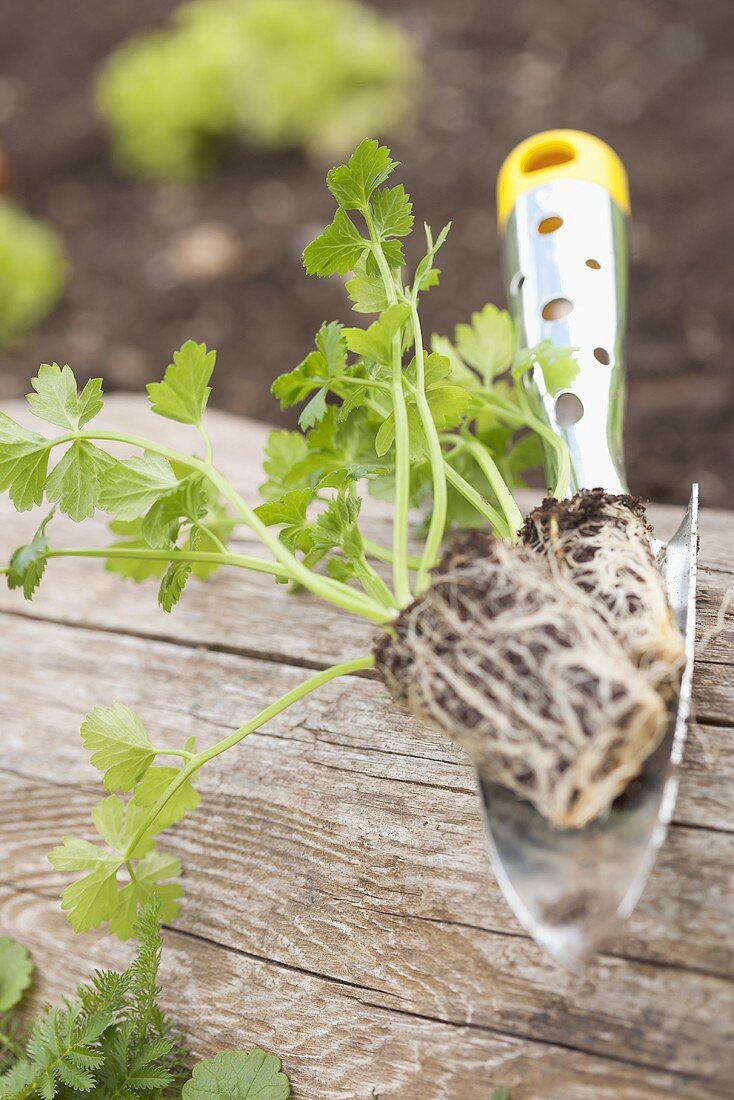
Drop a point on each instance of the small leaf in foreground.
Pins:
(337, 250)
(185, 389)
(375, 342)
(129, 488)
(15, 972)
(74, 483)
(488, 343)
(152, 877)
(352, 183)
(155, 783)
(119, 744)
(56, 399)
(558, 364)
(23, 463)
(393, 211)
(172, 584)
(238, 1075)
(27, 563)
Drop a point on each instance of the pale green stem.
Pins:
(201, 758)
(334, 592)
(401, 575)
(374, 584)
(496, 520)
(241, 561)
(383, 554)
(183, 753)
(208, 449)
(437, 522)
(495, 479)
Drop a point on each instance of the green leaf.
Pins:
(119, 745)
(283, 450)
(426, 275)
(74, 483)
(375, 342)
(290, 513)
(314, 411)
(366, 292)
(28, 563)
(558, 364)
(15, 973)
(337, 526)
(117, 822)
(448, 404)
(297, 384)
(129, 488)
(393, 251)
(23, 463)
(172, 584)
(136, 569)
(501, 1094)
(317, 371)
(352, 183)
(488, 343)
(393, 211)
(337, 250)
(185, 389)
(91, 900)
(162, 522)
(332, 345)
(56, 399)
(238, 1075)
(154, 785)
(76, 854)
(152, 875)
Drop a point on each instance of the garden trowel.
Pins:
(562, 206)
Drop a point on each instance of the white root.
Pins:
(601, 544)
(509, 660)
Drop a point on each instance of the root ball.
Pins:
(600, 543)
(509, 661)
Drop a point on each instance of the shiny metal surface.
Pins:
(570, 888)
(543, 267)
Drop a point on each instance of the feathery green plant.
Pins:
(112, 1041)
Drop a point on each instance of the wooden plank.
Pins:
(350, 844)
(341, 858)
(334, 1043)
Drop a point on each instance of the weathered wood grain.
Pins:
(335, 1044)
(319, 853)
(337, 885)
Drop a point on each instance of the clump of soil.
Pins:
(511, 660)
(600, 543)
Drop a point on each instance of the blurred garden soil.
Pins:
(155, 264)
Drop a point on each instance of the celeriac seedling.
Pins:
(448, 429)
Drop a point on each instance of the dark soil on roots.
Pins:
(156, 264)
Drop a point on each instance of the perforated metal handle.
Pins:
(566, 269)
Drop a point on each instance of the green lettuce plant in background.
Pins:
(274, 74)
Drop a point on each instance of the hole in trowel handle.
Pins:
(547, 155)
(556, 309)
(550, 224)
(569, 409)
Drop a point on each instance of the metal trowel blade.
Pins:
(571, 888)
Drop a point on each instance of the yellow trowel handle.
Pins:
(562, 205)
